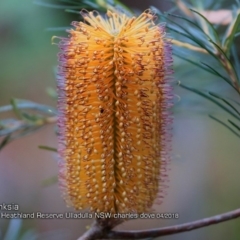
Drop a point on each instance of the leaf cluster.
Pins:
(194, 32)
(29, 117)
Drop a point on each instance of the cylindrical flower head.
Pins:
(113, 123)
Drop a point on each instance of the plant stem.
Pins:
(98, 231)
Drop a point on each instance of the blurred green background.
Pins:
(204, 175)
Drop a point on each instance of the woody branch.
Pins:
(98, 231)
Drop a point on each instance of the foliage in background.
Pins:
(196, 33)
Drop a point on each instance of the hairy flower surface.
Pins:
(113, 123)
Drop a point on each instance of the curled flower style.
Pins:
(113, 112)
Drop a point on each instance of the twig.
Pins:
(100, 228)
(100, 232)
(25, 104)
(175, 229)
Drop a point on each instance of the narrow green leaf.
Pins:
(47, 148)
(55, 6)
(55, 29)
(49, 181)
(224, 124)
(207, 68)
(8, 126)
(26, 131)
(68, 1)
(210, 25)
(33, 119)
(15, 108)
(210, 98)
(192, 38)
(224, 100)
(22, 115)
(227, 61)
(218, 74)
(5, 141)
(159, 13)
(192, 62)
(191, 22)
(238, 103)
(73, 11)
(230, 33)
(226, 57)
(5, 132)
(236, 61)
(234, 124)
(26, 104)
(91, 4)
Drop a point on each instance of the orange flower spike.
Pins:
(113, 119)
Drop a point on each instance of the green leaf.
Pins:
(26, 104)
(55, 6)
(8, 126)
(225, 101)
(224, 124)
(26, 131)
(31, 118)
(23, 115)
(207, 68)
(229, 64)
(192, 62)
(91, 4)
(191, 22)
(236, 61)
(159, 13)
(218, 74)
(55, 29)
(5, 141)
(72, 11)
(69, 1)
(211, 99)
(234, 124)
(215, 34)
(49, 181)
(188, 35)
(15, 108)
(192, 38)
(47, 148)
(230, 33)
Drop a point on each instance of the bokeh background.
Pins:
(204, 175)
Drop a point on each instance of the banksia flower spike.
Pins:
(113, 120)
